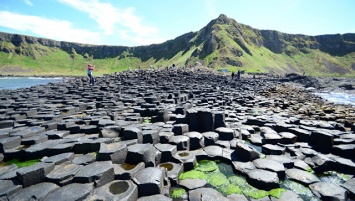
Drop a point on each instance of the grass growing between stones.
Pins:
(192, 174)
(21, 164)
(177, 193)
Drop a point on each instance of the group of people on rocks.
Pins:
(238, 75)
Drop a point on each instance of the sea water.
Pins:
(25, 82)
(338, 98)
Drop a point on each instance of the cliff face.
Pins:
(223, 37)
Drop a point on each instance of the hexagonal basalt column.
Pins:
(141, 153)
(116, 152)
(150, 181)
(116, 191)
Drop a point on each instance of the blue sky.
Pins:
(144, 22)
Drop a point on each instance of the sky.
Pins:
(145, 22)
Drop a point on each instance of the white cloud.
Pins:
(116, 20)
(28, 2)
(48, 28)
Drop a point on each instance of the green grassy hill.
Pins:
(223, 43)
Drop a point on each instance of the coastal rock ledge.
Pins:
(130, 136)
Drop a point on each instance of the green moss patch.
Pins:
(297, 188)
(177, 193)
(206, 166)
(217, 179)
(193, 174)
(277, 192)
(229, 190)
(21, 164)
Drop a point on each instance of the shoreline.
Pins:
(148, 119)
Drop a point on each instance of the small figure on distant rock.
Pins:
(238, 74)
(232, 75)
(91, 78)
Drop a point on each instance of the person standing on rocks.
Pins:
(91, 78)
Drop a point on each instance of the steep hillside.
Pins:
(222, 43)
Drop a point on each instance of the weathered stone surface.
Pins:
(192, 184)
(285, 160)
(116, 191)
(150, 181)
(270, 165)
(210, 138)
(59, 159)
(197, 140)
(34, 174)
(202, 194)
(225, 133)
(271, 149)
(246, 153)
(35, 192)
(9, 188)
(328, 191)
(243, 167)
(99, 173)
(73, 191)
(141, 153)
(115, 152)
(127, 171)
(155, 198)
(167, 151)
(301, 176)
(63, 174)
(263, 179)
(181, 142)
(348, 185)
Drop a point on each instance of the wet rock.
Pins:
(301, 176)
(35, 192)
(99, 173)
(117, 191)
(328, 191)
(288, 196)
(73, 191)
(150, 181)
(127, 171)
(173, 170)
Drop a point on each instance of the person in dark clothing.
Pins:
(232, 75)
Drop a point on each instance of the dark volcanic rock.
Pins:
(263, 179)
(100, 173)
(73, 191)
(35, 192)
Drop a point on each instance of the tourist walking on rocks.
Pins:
(232, 75)
(91, 78)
